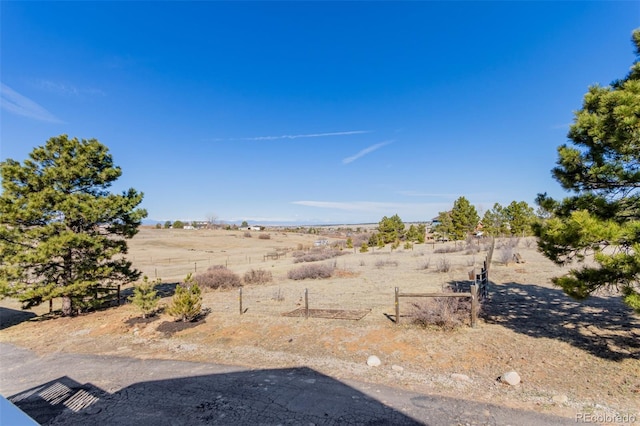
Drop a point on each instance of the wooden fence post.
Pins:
(397, 306)
(240, 299)
(118, 294)
(306, 303)
(474, 305)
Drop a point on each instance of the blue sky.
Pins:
(311, 113)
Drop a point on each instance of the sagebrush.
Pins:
(316, 255)
(311, 272)
(257, 276)
(218, 277)
(447, 313)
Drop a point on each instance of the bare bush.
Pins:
(472, 261)
(257, 276)
(425, 265)
(339, 245)
(264, 237)
(358, 239)
(218, 276)
(247, 234)
(511, 242)
(449, 249)
(317, 255)
(529, 242)
(382, 263)
(506, 254)
(443, 265)
(311, 272)
(447, 313)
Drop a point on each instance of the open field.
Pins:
(572, 357)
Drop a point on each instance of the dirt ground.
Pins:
(572, 357)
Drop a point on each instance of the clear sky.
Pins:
(311, 113)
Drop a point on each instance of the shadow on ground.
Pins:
(602, 326)
(267, 397)
(163, 290)
(10, 317)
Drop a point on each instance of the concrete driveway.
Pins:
(72, 389)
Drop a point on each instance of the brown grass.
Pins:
(587, 351)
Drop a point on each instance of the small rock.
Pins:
(373, 361)
(560, 399)
(397, 368)
(511, 378)
(460, 377)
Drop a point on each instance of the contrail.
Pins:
(309, 135)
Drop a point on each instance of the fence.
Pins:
(478, 291)
(101, 297)
(482, 282)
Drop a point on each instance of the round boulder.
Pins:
(511, 378)
(373, 361)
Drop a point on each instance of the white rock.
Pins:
(511, 378)
(460, 377)
(397, 368)
(373, 361)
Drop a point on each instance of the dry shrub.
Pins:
(317, 255)
(424, 265)
(257, 276)
(358, 239)
(473, 249)
(449, 249)
(247, 234)
(506, 254)
(264, 237)
(311, 272)
(218, 276)
(382, 263)
(447, 313)
(511, 242)
(443, 265)
(339, 245)
(529, 242)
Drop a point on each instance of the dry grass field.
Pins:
(572, 357)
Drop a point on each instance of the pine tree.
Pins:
(601, 220)
(391, 229)
(459, 222)
(145, 296)
(520, 218)
(494, 221)
(186, 304)
(62, 233)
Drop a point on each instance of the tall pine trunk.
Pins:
(67, 306)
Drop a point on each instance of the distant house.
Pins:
(320, 243)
